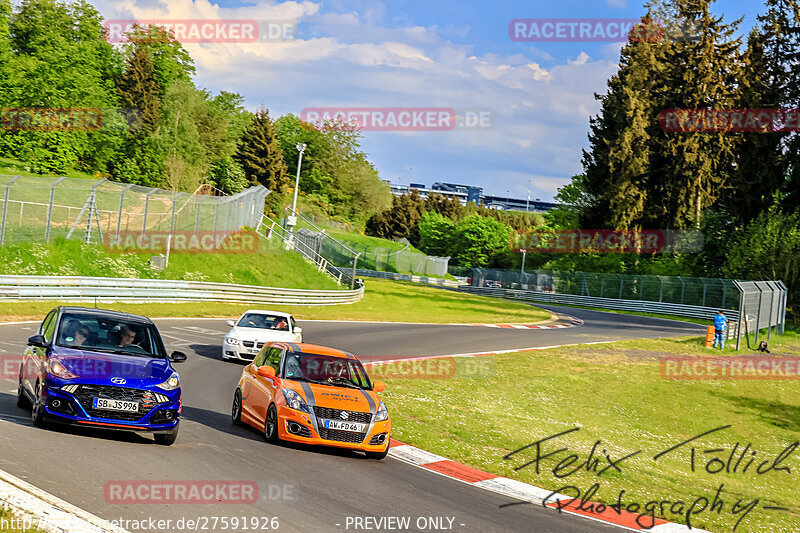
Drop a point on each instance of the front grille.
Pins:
(146, 399)
(342, 436)
(334, 414)
(250, 344)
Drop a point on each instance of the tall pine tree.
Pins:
(260, 156)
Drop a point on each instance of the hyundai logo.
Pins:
(118, 381)
(344, 415)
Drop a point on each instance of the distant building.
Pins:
(469, 193)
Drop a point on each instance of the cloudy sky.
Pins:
(423, 53)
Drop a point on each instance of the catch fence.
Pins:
(41, 209)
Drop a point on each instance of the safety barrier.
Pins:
(639, 306)
(96, 290)
(407, 277)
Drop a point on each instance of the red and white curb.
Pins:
(573, 322)
(523, 491)
(34, 507)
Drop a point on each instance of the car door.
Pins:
(298, 336)
(35, 357)
(251, 396)
(266, 388)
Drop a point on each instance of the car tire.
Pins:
(271, 425)
(37, 409)
(236, 408)
(167, 439)
(22, 400)
(378, 455)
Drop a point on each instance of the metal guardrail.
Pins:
(407, 277)
(87, 289)
(640, 306)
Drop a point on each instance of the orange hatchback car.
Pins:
(315, 395)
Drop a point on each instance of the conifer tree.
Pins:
(260, 156)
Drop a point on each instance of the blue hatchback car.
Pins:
(105, 369)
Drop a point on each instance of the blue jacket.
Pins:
(720, 323)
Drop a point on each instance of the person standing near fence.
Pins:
(720, 326)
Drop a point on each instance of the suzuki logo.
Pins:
(118, 381)
(344, 415)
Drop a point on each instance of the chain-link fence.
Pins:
(40, 209)
(342, 254)
(762, 305)
(705, 292)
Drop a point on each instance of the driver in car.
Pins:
(126, 336)
(293, 368)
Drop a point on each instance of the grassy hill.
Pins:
(270, 266)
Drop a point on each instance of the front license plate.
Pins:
(115, 405)
(345, 426)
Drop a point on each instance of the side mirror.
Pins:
(37, 340)
(266, 371)
(177, 357)
(298, 329)
(378, 386)
(231, 323)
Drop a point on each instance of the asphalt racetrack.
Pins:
(309, 490)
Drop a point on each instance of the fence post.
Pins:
(621, 281)
(705, 286)
(771, 305)
(683, 289)
(121, 203)
(742, 315)
(5, 210)
(172, 217)
(660, 289)
(50, 209)
(758, 314)
(146, 205)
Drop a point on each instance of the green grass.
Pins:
(270, 266)
(7, 519)
(390, 301)
(615, 394)
(15, 167)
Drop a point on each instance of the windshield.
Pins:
(262, 321)
(107, 334)
(327, 370)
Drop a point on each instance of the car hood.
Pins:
(336, 397)
(260, 335)
(89, 365)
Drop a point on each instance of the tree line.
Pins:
(739, 186)
(158, 128)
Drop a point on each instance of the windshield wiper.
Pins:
(117, 352)
(344, 381)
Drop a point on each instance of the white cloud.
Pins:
(348, 59)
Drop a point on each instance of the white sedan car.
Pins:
(256, 327)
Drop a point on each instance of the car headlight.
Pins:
(231, 341)
(172, 383)
(57, 369)
(382, 413)
(295, 401)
